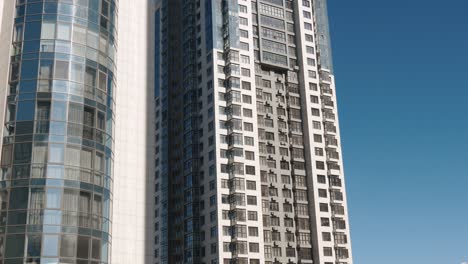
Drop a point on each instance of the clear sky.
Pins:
(402, 85)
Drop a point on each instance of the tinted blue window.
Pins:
(34, 9)
(31, 46)
(32, 31)
(27, 87)
(50, 8)
(25, 111)
(29, 69)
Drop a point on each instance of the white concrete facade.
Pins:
(7, 11)
(134, 143)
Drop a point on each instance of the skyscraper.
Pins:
(169, 131)
(248, 155)
(77, 84)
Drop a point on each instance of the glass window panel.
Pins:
(59, 110)
(46, 69)
(14, 246)
(61, 69)
(34, 245)
(93, 40)
(52, 217)
(102, 81)
(84, 202)
(43, 110)
(24, 128)
(88, 117)
(56, 153)
(25, 111)
(82, 250)
(18, 33)
(19, 198)
(54, 198)
(79, 34)
(63, 31)
(55, 171)
(21, 172)
(75, 113)
(48, 30)
(90, 77)
(27, 86)
(31, 46)
(37, 200)
(72, 156)
(17, 217)
(77, 72)
(7, 158)
(50, 8)
(96, 246)
(50, 245)
(68, 246)
(57, 128)
(22, 153)
(86, 158)
(29, 69)
(39, 152)
(32, 31)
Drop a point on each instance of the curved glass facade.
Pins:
(57, 156)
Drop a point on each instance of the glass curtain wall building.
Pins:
(248, 165)
(59, 87)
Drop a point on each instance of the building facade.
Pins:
(77, 144)
(169, 131)
(248, 156)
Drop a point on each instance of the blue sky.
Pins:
(402, 85)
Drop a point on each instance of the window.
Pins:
(319, 152)
(63, 31)
(251, 185)
(327, 251)
(317, 138)
(271, 10)
(244, 46)
(247, 99)
(248, 126)
(251, 200)
(249, 141)
(48, 30)
(244, 33)
(242, 9)
(317, 125)
(250, 170)
(253, 231)
(322, 193)
(325, 221)
(321, 179)
(323, 207)
(243, 21)
(246, 85)
(249, 155)
(252, 216)
(245, 59)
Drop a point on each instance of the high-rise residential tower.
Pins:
(77, 104)
(248, 156)
(169, 131)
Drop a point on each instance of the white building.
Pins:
(251, 169)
